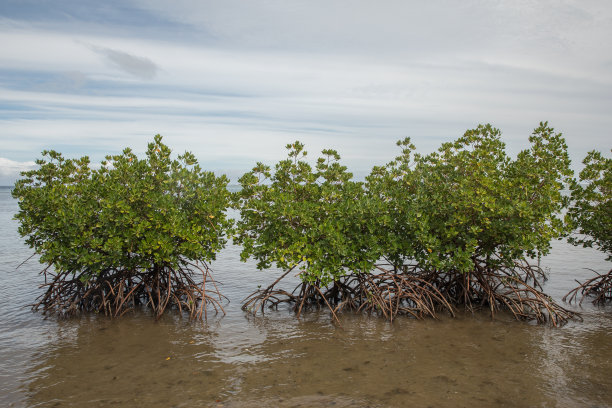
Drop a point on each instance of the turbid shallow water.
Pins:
(238, 360)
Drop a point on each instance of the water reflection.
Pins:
(132, 361)
(576, 359)
(468, 361)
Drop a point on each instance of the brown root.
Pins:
(391, 293)
(270, 297)
(506, 288)
(413, 291)
(115, 292)
(599, 287)
(385, 292)
(524, 301)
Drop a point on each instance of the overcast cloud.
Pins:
(139, 67)
(234, 81)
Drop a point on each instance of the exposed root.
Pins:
(391, 293)
(270, 297)
(387, 293)
(410, 290)
(117, 291)
(524, 301)
(599, 287)
(507, 288)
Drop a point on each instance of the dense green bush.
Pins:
(312, 218)
(467, 218)
(470, 201)
(591, 215)
(134, 230)
(315, 221)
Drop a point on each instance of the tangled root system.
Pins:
(599, 288)
(384, 292)
(517, 289)
(411, 290)
(117, 291)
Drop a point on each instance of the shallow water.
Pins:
(238, 360)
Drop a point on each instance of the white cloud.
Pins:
(8, 167)
(10, 170)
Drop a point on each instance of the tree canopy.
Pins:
(312, 217)
(132, 230)
(469, 200)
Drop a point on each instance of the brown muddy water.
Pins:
(238, 360)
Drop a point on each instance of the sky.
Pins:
(235, 81)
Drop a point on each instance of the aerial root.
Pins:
(517, 289)
(420, 293)
(599, 288)
(115, 292)
(386, 293)
(270, 297)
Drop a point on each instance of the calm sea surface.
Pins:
(238, 360)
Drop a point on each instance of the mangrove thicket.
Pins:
(460, 227)
(132, 232)
(463, 227)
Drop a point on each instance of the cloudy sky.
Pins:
(234, 81)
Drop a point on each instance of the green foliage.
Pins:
(591, 209)
(470, 201)
(317, 218)
(129, 215)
